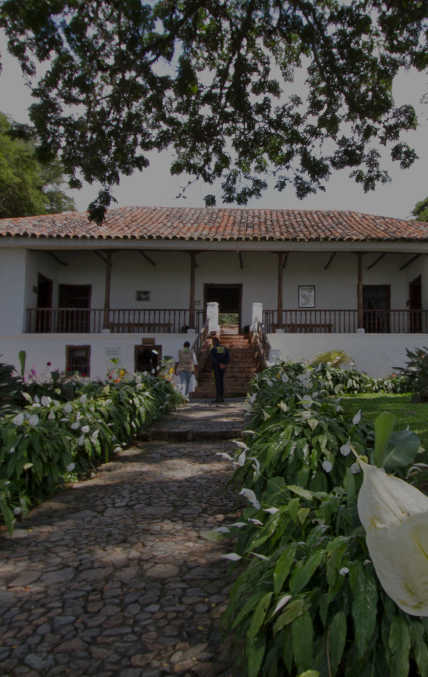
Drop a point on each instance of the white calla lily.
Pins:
(225, 455)
(242, 445)
(241, 459)
(232, 556)
(19, 419)
(250, 495)
(395, 517)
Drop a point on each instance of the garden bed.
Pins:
(308, 599)
(51, 441)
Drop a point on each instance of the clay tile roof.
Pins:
(177, 223)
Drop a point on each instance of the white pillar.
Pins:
(212, 316)
(257, 314)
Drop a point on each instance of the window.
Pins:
(78, 358)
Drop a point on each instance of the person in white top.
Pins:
(185, 363)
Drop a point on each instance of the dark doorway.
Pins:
(44, 302)
(415, 305)
(377, 306)
(229, 299)
(147, 357)
(76, 299)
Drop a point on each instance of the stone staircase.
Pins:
(243, 365)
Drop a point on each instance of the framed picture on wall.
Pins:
(142, 296)
(307, 296)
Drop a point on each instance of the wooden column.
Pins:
(107, 291)
(360, 291)
(192, 290)
(280, 260)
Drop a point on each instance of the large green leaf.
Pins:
(402, 449)
(302, 575)
(302, 633)
(364, 605)
(294, 609)
(255, 656)
(337, 639)
(399, 644)
(420, 649)
(7, 516)
(384, 425)
(282, 567)
(258, 618)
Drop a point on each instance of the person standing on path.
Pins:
(185, 368)
(220, 358)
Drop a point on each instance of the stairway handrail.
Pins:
(199, 341)
(261, 342)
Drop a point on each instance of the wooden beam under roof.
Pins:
(285, 259)
(144, 255)
(58, 260)
(100, 256)
(330, 260)
(410, 261)
(241, 263)
(379, 258)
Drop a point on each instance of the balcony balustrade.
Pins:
(346, 321)
(120, 321)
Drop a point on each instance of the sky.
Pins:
(155, 187)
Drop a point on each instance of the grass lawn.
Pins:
(413, 415)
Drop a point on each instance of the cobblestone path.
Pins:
(112, 577)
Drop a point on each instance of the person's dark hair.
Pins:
(216, 339)
(186, 344)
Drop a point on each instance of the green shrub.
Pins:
(416, 372)
(332, 358)
(49, 439)
(309, 598)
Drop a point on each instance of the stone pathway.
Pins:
(112, 577)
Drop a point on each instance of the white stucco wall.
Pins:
(12, 290)
(376, 354)
(43, 348)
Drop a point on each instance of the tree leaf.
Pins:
(337, 640)
(364, 605)
(282, 567)
(302, 633)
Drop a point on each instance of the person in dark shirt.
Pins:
(220, 358)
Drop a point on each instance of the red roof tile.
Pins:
(176, 223)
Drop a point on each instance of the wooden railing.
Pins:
(261, 343)
(120, 321)
(346, 321)
(201, 347)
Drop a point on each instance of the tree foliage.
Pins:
(28, 187)
(211, 79)
(420, 210)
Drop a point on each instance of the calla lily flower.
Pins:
(395, 517)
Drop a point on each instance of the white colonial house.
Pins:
(74, 294)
